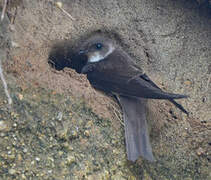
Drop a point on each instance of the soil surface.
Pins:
(59, 127)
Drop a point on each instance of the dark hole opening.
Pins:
(63, 55)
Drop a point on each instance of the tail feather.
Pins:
(136, 132)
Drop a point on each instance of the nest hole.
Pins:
(66, 53)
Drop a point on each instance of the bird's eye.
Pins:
(98, 46)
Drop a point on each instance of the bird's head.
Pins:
(97, 48)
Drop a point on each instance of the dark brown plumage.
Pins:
(112, 70)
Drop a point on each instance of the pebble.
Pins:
(59, 116)
(23, 176)
(37, 158)
(4, 126)
(20, 96)
(200, 151)
(60, 153)
(117, 177)
(70, 159)
(12, 156)
(12, 171)
(59, 4)
(25, 150)
(2, 134)
(19, 157)
(12, 27)
(89, 124)
(74, 134)
(86, 133)
(15, 44)
(68, 146)
(50, 171)
(188, 82)
(15, 125)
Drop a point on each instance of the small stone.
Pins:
(23, 176)
(119, 163)
(15, 44)
(54, 92)
(70, 159)
(50, 171)
(184, 134)
(134, 178)
(62, 164)
(25, 150)
(89, 124)
(86, 133)
(4, 126)
(14, 115)
(147, 176)
(51, 159)
(59, 116)
(187, 83)
(106, 174)
(12, 156)
(19, 157)
(59, 4)
(15, 125)
(2, 134)
(94, 177)
(12, 171)
(74, 134)
(63, 134)
(68, 146)
(12, 27)
(115, 152)
(60, 153)
(117, 177)
(37, 159)
(113, 141)
(20, 96)
(200, 151)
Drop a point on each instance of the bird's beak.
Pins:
(81, 52)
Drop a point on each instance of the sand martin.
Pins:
(110, 69)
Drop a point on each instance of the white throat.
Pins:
(96, 57)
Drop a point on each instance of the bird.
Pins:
(110, 69)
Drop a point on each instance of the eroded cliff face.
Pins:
(61, 128)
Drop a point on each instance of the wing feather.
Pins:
(128, 85)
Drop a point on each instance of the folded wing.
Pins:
(125, 84)
(144, 76)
